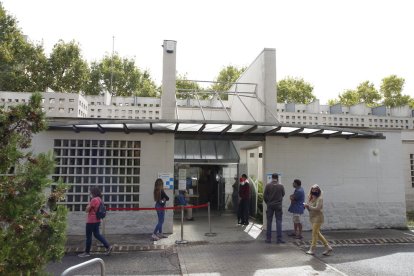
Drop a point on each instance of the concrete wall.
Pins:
(362, 179)
(157, 156)
(263, 73)
(408, 167)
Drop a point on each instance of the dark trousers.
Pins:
(243, 213)
(278, 213)
(93, 228)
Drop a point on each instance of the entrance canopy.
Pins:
(204, 130)
(205, 151)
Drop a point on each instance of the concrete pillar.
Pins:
(270, 92)
(168, 100)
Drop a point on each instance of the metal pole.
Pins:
(209, 234)
(182, 241)
(112, 64)
(85, 264)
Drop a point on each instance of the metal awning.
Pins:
(196, 129)
(205, 151)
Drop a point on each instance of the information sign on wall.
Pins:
(168, 179)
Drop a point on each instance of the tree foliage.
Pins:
(32, 226)
(226, 77)
(187, 89)
(390, 94)
(391, 90)
(22, 64)
(294, 90)
(121, 77)
(349, 97)
(67, 70)
(364, 93)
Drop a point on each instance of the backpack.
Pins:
(101, 212)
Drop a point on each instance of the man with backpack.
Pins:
(96, 211)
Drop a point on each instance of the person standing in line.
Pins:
(244, 194)
(160, 198)
(92, 223)
(183, 201)
(235, 197)
(273, 197)
(296, 208)
(315, 207)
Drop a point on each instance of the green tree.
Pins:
(186, 89)
(22, 64)
(294, 90)
(368, 94)
(364, 93)
(67, 70)
(121, 77)
(32, 225)
(349, 97)
(332, 102)
(226, 77)
(391, 90)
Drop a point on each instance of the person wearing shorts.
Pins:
(296, 208)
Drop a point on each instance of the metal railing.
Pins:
(85, 264)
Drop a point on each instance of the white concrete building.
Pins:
(124, 144)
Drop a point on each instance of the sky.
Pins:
(332, 44)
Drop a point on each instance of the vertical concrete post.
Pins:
(269, 83)
(168, 100)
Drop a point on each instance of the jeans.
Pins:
(277, 211)
(161, 215)
(93, 228)
(316, 234)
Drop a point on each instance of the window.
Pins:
(112, 165)
(412, 169)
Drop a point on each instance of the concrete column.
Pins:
(270, 93)
(168, 100)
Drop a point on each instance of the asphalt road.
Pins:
(367, 260)
(126, 263)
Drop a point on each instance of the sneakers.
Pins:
(155, 237)
(280, 241)
(108, 251)
(84, 255)
(311, 251)
(328, 250)
(161, 236)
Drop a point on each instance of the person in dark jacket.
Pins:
(244, 194)
(273, 197)
(160, 198)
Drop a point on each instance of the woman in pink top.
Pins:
(92, 223)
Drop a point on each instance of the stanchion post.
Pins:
(182, 241)
(209, 234)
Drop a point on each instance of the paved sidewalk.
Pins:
(226, 230)
(240, 250)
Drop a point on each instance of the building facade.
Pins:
(359, 156)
